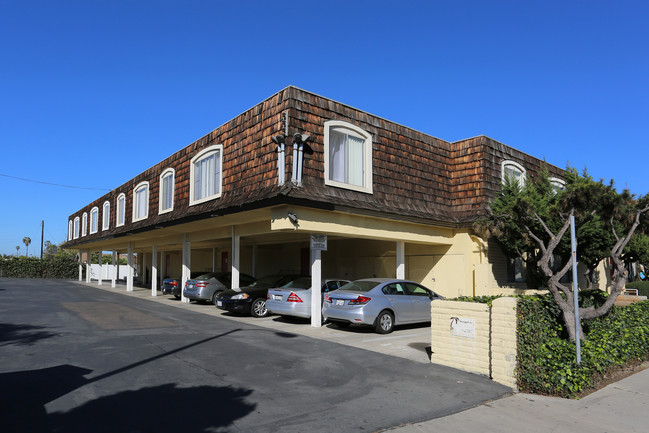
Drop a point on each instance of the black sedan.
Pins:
(251, 299)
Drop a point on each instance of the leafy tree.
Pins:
(27, 240)
(532, 221)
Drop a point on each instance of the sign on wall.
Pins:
(319, 242)
(461, 327)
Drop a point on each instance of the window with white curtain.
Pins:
(166, 196)
(84, 224)
(557, 184)
(105, 216)
(141, 201)
(348, 156)
(514, 171)
(70, 230)
(76, 227)
(94, 220)
(121, 210)
(206, 175)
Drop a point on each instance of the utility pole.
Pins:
(42, 232)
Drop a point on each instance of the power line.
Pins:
(54, 184)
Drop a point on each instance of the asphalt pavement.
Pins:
(76, 358)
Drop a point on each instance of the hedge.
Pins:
(31, 267)
(547, 357)
(641, 286)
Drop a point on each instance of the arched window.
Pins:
(206, 175)
(557, 184)
(70, 230)
(76, 227)
(514, 171)
(94, 220)
(166, 194)
(121, 210)
(106, 216)
(348, 156)
(84, 224)
(141, 201)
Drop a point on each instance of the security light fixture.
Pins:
(278, 139)
(293, 218)
(300, 138)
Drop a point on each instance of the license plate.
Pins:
(219, 303)
(277, 297)
(340, 302)
(190, 286)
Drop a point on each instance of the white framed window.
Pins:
(84, 224)
(70, 230)
(121, 210)
(557, 184)
(76, 228)
(166, 194)
(105, 224)
(206, 175)
(94, 220)
(141, 201)
(348, 156)
(513, 170)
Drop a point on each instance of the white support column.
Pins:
(115, 264)
(214, 259)
(236, 258)
(401, 260)
(154, 270)
(87, 266)
(129, 262)
(101, 270)
(187, 264)
(316, 288)
(80, 267)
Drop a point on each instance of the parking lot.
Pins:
(409, 341)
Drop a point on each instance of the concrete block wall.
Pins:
(476, 338)
(469, 352)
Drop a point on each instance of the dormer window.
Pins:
(76, 227)
(106, 216)
(205, 175)
(166, 195)
(121, 210)
(557, 184)
(348, 156)
(141, 201)
(94, 220)
(84, 224)
(513, 171)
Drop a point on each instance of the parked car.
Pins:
(251, 299)
(171, 286)
(379, 302)
(206, 285)
(294, 298)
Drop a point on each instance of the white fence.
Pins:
(106, 272)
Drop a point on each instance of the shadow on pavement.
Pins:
(164, 408)
(11, 333)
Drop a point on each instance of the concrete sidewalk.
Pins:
(620, 407)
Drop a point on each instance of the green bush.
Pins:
(57, 266)
(641, 286)
(547, 358)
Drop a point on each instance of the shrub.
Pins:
(641, 286)
(58, 266)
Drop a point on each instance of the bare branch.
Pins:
(545, 227)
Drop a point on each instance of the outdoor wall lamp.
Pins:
(293, 218)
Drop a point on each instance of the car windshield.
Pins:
(298, 283)
(206, 276)
(360, 286)
(267, 281)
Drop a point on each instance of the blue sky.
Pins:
(93, 93)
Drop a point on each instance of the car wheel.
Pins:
(214, 297)
(258, 308)
(385, 322)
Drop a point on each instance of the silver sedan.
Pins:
(379, 302)
(294, 298)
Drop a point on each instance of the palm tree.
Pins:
(17, 249)
(27, 240)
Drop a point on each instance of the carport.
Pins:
(275, 239)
